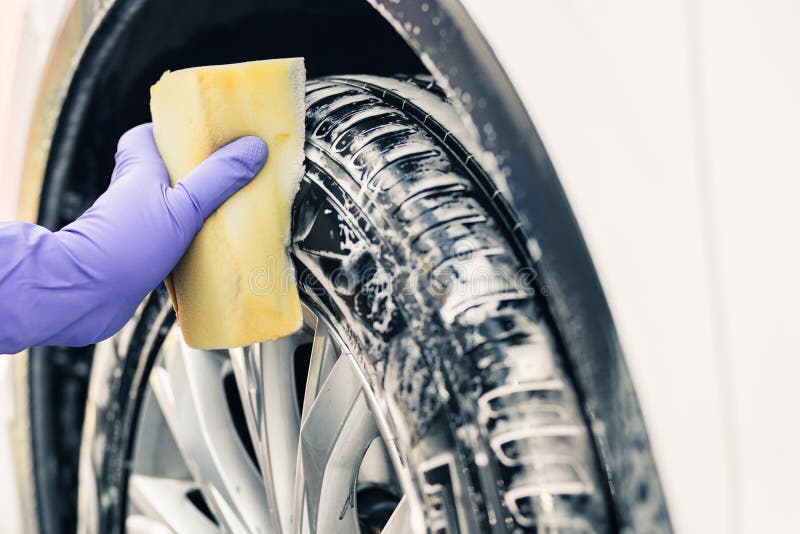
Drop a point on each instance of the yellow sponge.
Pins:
(235, 285)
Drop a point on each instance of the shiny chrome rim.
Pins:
(227, 442)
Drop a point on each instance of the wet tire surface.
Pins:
(401, 238)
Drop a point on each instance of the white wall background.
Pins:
(674, 127)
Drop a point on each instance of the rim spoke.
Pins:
(337, 430)
(376, 467)
(141, 524)
(281, 422)
(225, 514)
(203, 429)
(164, 503)
(308, 463)
(162, 390)
(323, 355)
(400, 520)
(265, 379)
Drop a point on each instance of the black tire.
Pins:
(402, 239)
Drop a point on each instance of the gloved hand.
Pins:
(81, 284)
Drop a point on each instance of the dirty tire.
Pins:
(402, 239)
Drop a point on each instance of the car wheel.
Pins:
(425, 390)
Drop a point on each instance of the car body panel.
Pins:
(68, 38)
(32, 26)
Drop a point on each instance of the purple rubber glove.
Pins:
(81, 284)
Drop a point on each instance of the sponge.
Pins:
(235, 285)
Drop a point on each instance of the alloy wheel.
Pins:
(275, 437)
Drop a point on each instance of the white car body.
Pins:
(674, 131)
(28, 31)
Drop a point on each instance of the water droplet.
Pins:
(488, 130)
(425, 7)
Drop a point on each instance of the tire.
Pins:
(405, 245)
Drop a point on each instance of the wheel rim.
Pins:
(229, 441)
